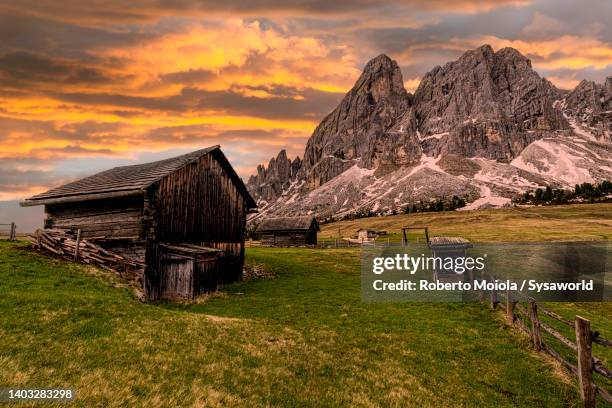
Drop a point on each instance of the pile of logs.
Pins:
(65, 244)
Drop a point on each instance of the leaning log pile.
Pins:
(68, 245)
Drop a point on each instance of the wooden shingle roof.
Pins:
(449, 242)
(287, 224)
(130, 180)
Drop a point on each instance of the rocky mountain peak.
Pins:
(382, 78)
(270, 181)
(488, 104)
(482, 109)
(590, 103)
(483, 53)
(511, 55)
(353, 132)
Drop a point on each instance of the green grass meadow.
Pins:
(302, 338)
(584, 222)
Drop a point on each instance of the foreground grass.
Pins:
(585, 222)
(550, 223)
(302, 339)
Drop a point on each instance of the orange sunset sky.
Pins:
(88, 85)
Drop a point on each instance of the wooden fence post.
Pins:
(585, 361)
(510, 303)
(535, 325)
(494, 300)
(481, 293)
(78, 242)
(38, 239)
(13, 232)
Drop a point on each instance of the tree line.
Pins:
(441, 204)
(582, 193)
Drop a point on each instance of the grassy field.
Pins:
(303, 338)
(550, 223)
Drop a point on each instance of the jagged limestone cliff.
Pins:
(483, 127)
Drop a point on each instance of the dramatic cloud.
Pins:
(89, 85)
(142, 11)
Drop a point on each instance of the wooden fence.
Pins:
(323, 243)
(528, 318)
(9, 231)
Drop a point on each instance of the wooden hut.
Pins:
(366, 234)
(288, 231)
(182, 218)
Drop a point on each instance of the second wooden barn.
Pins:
(182, 218)
(288, 231)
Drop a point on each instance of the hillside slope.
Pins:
(536, 224)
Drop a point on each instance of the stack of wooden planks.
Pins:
(65, 244)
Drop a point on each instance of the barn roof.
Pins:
(131, 180)
(449, 243)
(287, 224)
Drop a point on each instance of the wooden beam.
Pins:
(78, 242)
(535, 325)
(494, 299)
(80, 197)
(510, 303)
(585, 362)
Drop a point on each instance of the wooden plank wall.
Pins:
(177, 278)
(185, 278)
(99, 219)
(232, 263)
(284, 239)
(131, 249)
(207, 275)
(200, 204)
(115, 224)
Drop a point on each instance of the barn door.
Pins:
(176, 276)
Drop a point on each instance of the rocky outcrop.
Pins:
(485, 104)
(590, 106)
(483, 127)
(270, 181)
(357, 131)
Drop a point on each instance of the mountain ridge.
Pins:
(476, 127)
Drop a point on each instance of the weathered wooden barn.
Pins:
(182, 218)
(288, 231)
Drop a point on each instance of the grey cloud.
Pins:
(580, 18)
(20, 67)
(142, 10)
(24, 32)
(191, 77)
(313, 105)
(86, 131)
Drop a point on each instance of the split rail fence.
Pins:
(8, 231)
(527, 317)
(322, 243)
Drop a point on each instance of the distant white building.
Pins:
(366, 234)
